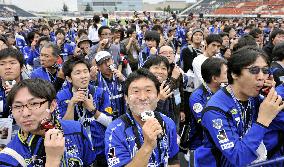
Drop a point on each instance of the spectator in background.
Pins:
(130, 48)
(32, 50)
(93, 30)
(213, 44)
(277, 66)
(11, 65)
(276, 36)
(49, 69)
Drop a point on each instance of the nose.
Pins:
(26, 112)
(143, 95)
(260, 75)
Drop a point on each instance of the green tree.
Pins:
(65, 8)
(88, 7)
(168, 8)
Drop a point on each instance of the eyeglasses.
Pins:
(256, 70)
(30, 106)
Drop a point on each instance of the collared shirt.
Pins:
(121, 147)
(78, 150)
(85, 117)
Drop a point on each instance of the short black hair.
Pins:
(96, 18)
(44, 27)
(152, 35)
(243, 58)
(80, 32)
(227, 29)
(223, 34)
(278, 52)
(213, 38)
(31, 36)
(129, 32)
(255, 32)
(246, 40)
(157, 28)
(60, 31)
(100, 30)
(141, 73)
(43, 38)
(37, 87)
(14, 53)
(71, 63)
(211, 67)
(274, 33)
(156, 60)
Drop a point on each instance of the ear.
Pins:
(214, 79)
(69, 79)
(126, 98)
(53, 106)
(234, 76)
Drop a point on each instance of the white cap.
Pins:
(101, 56)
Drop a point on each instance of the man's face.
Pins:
(223, 75)
(29, 119)
(106, 34)
(160, 71)
(116, 35)
(213, 48)
(80, 76)
(197, 37)
(85, 46)
(167, 52)
(104, 67)
(142, 96)
(250, 84)
(232, 33)
(36, 37)
(60, 36)
(278, 39)
(10, 69)
(45, 32)
(46, 58)
(151, 43)
(226, 41)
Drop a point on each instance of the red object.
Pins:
(59, 60)
(46, 125)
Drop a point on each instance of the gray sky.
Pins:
(54, 5)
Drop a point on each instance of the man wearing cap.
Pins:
(111, 80)
(83, 46)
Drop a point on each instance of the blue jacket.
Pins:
(67, 49)
(78, 150)
(102, 103)
(4, 108)
(30, 54)
(121, 146)
(20, 42)
(197, 102)
(115, 91)
(144, 56)
(227, 142)
(42, 73)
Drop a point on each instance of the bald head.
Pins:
(167, 52)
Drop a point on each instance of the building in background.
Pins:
(110, 5)
(175, 5)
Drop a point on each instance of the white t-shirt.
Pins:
(196, 64)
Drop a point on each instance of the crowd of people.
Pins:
(85, 93)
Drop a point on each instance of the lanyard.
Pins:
(113, 94)
(160, 153)
(210, 93)
(245, 113)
